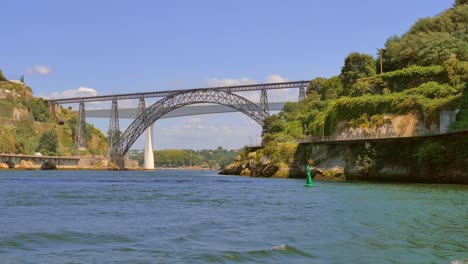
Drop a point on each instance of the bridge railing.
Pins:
(338, 138)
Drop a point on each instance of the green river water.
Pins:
(193, 217)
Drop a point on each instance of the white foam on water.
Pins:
(460, 261)
(280, 247)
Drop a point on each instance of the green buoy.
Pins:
(309, 182)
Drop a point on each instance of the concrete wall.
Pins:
(435, 159)
(35, 162)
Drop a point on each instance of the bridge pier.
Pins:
(113, 133)
(149, 155)
(264, 101)
(302, 93)
(80, 133)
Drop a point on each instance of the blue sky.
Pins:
(115, 47)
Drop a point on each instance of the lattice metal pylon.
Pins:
(80, 133)
(302, 93)
(264, 101)
(113, 135)
(141, 105)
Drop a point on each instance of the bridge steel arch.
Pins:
(177, 100)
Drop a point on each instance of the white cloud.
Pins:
(276, 79)
(39, 69)
(208, 131)
(254, 96)
(215, 82)
(283, 95)
(80, 92)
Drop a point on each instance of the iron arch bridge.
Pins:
(151, 114)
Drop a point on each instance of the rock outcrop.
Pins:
(48, 165)
(26, 165)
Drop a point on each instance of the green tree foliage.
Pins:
(2, 77)
(7, 139)
(332, 88)
(185, 157)
(356, 66)
(456, 70)
(366, 159)
(48, 143)
(425, 71)
(390, 63)
(273, 124)
(462, 117)
(430, 41)
(38, 108)
(324, 88)
(433, 155)
(315, 87)
(460, 2)
(272, 152)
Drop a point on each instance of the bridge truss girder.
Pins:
(177, 100)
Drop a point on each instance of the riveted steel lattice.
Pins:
(177, 100)
(80, 132)
(114, 130)
(141, 105)
(264, 101)
(237, 88)
(302, 93)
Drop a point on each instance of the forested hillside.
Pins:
(419, 73)
(213, 158)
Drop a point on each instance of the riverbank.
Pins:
(436, 159)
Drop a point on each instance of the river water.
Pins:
(195, 217)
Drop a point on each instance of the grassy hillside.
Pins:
(24, 119)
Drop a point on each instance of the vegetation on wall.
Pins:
(424, 71)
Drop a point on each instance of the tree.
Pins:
(39, 109)
(430, 41)
(272, 124)
(332, 88)
(2, 77)
(389, 61)
(356, 66)
(366, 160)
(48, 143)
(316, 86)
(460, 2)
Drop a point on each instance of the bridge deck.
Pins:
(239, 88)
(339, 140)
(131, 113)
(38, 157)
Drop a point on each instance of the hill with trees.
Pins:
(26, 125)
(172, 158)
(412, 78)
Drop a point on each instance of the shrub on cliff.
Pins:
(462, 117)
(433, 155)
(2, 77)
(48, 143)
